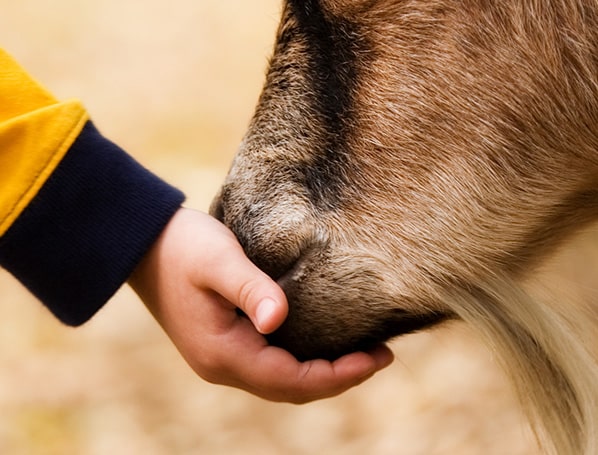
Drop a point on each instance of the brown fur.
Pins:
(411, 161)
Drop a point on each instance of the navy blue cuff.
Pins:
(81, 237)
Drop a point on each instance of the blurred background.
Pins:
(175, 83)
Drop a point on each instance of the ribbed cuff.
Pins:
(82, 235)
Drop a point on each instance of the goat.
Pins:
(413, 161)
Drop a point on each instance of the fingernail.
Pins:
(265, 310)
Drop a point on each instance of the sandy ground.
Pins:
(175, 83)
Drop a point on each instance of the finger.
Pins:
(277, 376)
(340, 375)
(244, 285)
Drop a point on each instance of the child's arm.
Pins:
(76, 212)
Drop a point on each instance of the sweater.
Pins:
(77, 213)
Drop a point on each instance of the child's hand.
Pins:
(193, 278)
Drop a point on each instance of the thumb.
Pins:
(244, 285)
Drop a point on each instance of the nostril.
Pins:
(294, 267)
(274, 266)
(290, 261)
(283, 270)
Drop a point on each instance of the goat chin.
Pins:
(553, 371)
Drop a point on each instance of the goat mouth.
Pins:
(321, 344)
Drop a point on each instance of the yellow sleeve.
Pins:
(36, 131)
